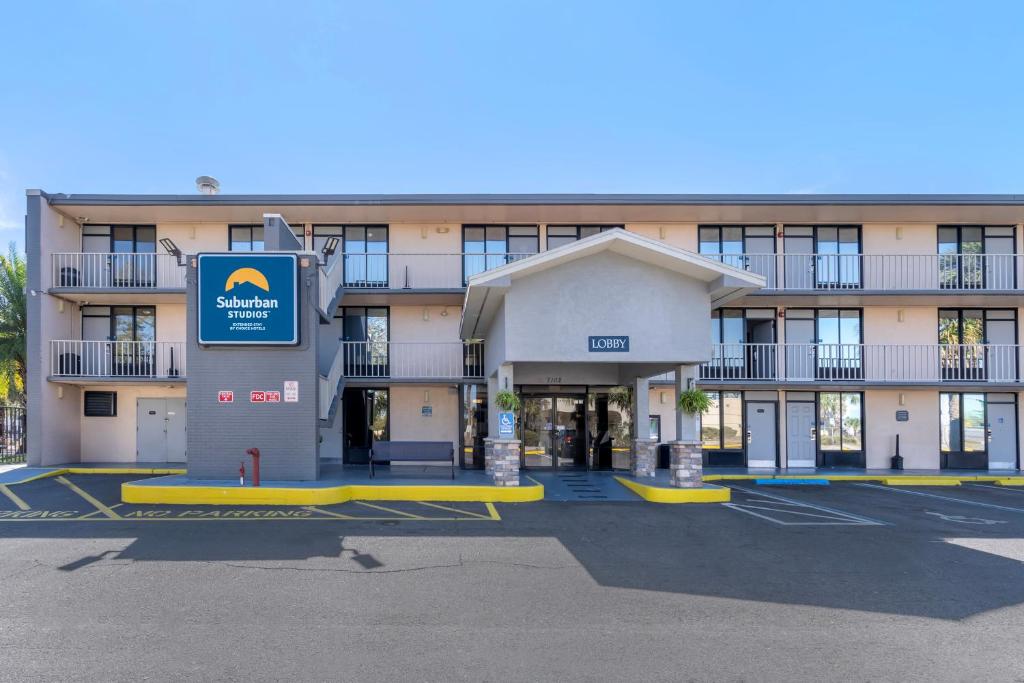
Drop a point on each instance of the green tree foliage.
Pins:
(12, 326)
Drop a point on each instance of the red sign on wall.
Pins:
(257, 397)
(225, 397)
(273, 396)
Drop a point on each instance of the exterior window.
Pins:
(486, 247)
(246, 237)
(749, 247)
(835, 337)
(131, 263)
(840, 421)
(560, 235)
(100, 404)
(365, 341)
(366, 255)
(962, 423)
(823, 257)
(721, 427)
(978, 344)
(977, 257)
(321, 233)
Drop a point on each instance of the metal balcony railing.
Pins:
(117, 359)
(417, 271)
(412, 360)
(882, 272)
(876, 363)
(117, 271)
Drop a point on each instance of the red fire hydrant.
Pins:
(255, 453)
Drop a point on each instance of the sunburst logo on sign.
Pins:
(250, 275)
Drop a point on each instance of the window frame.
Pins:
(241, 226)
(602, 227)
(505, 227)
(721, 422)
(818, 423)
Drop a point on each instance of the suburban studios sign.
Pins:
(248, 299)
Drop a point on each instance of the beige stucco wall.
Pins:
(409, 424)
(408, 324)
(682, 235)
(59, 441)
(899, 238)
(882, 325)
(193, 238)
(112, 439)
(919, 437)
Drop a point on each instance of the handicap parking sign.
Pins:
(506, 424)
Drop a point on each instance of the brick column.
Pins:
(686, 465)
(501, 460)
(643, 459)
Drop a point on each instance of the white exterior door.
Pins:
(1002, 436)
(762, 435)
(801, 442)
(160, 430)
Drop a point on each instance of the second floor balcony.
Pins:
(82, 274)
(883, 273)
(401, 271)
(862, 363)
(413, 361)
(113, 361)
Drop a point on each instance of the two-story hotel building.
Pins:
(882, 316)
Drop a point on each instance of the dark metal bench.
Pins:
(412, 451)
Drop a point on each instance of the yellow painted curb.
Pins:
(1010, 481)
(132, 492)
(921, 481)
(663, 494)
(98, 470)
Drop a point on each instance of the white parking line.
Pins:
(991, 506)
(833, 517)
(1008, 489)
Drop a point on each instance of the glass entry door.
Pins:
(554, 431)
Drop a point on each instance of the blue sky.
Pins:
(633, 96)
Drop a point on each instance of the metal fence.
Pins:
(137, 359)
(882, 272)
(117, 271)
(12, 434)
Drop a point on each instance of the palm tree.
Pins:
(13, 323)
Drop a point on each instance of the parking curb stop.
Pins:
(709, 493)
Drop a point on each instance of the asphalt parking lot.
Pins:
(851, 581)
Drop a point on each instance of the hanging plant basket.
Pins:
(507, 400)
(694, 401)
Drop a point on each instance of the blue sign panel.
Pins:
(248, 299)
(608, 344)
(506, 425)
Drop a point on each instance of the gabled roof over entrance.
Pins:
(483, 293)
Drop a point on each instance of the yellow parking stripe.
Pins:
(107, 512)
(89, 515)
(384, 509)
(448, 509)
(494, 511)
(336, 515)
(22, 505)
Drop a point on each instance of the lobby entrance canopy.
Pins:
(608, 310)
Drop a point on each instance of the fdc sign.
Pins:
(248, 299)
